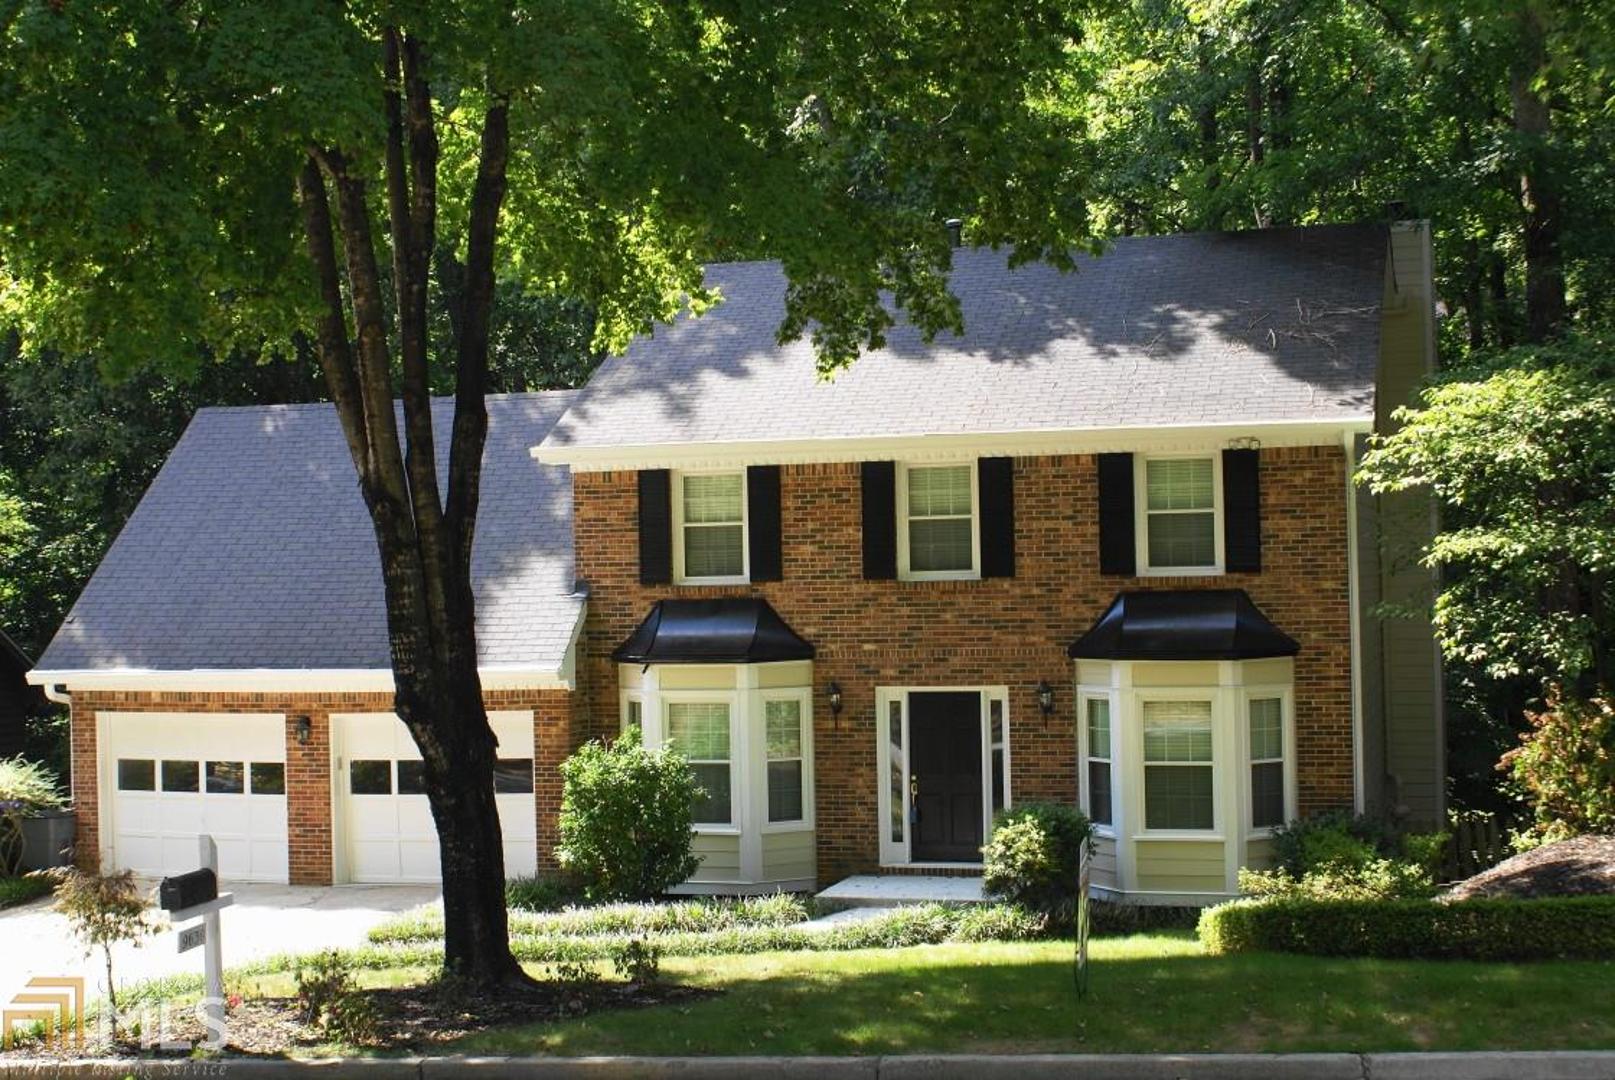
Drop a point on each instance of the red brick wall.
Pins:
(308, 767)
(999, 632)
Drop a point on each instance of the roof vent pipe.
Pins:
(955, 229)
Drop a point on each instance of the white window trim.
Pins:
(679, 576)
(1084, 696)
(1286, 698)
(895, 853)
(1141, 517)
(804, 697)
(1217, 701)
(735, 825)
(630, 698)
(904, 573)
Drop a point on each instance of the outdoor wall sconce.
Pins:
(1045, 699)
(834, 692)
(305, 730)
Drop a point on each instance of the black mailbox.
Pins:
(188, 890)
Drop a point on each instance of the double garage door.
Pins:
(176, 777)
(385, 830)
(173, 777)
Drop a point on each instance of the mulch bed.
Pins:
(1582, 866)
(410, 1019)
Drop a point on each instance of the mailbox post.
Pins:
(196, 895)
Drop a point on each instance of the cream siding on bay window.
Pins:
(1200, 711)
(756, 719)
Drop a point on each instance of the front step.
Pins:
(892, 890)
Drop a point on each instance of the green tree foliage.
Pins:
(1565, 768)
(626, 816)
(1520, 449)
(102, 910)
(1034, 857)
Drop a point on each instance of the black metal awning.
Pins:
(737, 630)
(1192, 624)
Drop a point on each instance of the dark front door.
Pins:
(945, 776)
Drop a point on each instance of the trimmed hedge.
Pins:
(1565, 928)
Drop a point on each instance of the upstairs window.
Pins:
(937, 515)
(1179, 511)
(711, 527)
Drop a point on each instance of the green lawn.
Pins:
(1149, 993)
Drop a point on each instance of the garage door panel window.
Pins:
(137, 774)
(513, 776)
(268, 778)
(700, 731)
(182, 776)
(412, 778)
(226, 777)
(370, 777)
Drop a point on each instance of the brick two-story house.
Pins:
(1101, 549)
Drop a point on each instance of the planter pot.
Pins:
(47, 840)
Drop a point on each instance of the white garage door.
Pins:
(387, 828)
(175, 776)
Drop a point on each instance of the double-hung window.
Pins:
(711, 528)
(1267, 761)
(1178, 787)
(700, 731)
(937, 510)
(1099, 761)
(782, 720)
(1179, 515)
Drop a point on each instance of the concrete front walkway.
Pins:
(891, 890)
(265, 919)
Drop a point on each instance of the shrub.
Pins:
(625, 819)
(102, 910)
(328, 999)
(1341, 856)
(1569, 928)
(1565, 768)
(29, 787)
(998, 922)
(537, 894)
(1119, 918)
(20, 890)
(638, 960)
(1034, 857)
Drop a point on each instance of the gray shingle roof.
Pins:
(1275, 325)
(252, 549)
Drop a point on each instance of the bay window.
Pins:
(1099, 761)
(1178, 763)
(700, 731)
(783, 742)
(1267, 762)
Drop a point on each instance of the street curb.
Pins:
(1484, 1065)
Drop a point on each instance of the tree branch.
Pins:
(335, 351)
(471, 362)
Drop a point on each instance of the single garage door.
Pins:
(176, 776)
(385, 823)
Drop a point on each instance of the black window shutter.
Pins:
(1117, 552)
(995, 482)
(762, 522)
(879, 484)
(1242, 511)
(655, 527)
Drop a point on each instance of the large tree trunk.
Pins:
(423, 539)
(1539, 188)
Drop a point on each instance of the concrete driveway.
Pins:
(265, 919)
